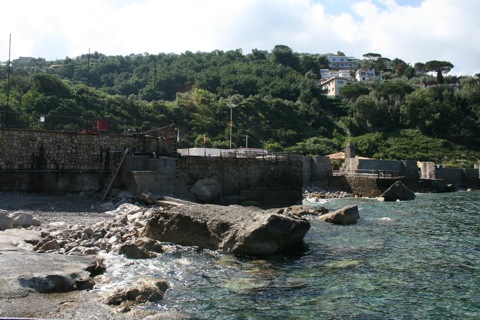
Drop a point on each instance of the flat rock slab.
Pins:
(23, 270)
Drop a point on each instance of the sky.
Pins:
(411, 30)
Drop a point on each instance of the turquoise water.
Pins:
(404, 260)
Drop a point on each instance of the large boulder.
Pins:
(23, 219)
(207, 189)
(6, 222)
(346, 215)
(233, 229)
(398, 191)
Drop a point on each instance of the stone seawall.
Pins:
(54, 161)
(55, 150)
(361, 186)
(268, 181)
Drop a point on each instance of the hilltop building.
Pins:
(364, 75)
(343, 71)
(342, 62)
(333, 85)
(327, 73)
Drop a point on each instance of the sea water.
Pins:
(415, 259)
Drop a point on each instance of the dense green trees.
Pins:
(281, 108)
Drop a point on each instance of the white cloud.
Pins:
(412, 30)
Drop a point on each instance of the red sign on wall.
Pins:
(101, 125)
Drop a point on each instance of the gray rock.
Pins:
(126, 209)
(107, 206)
(133, 251)
(149, 244)
(22, 219)
(207, 189)
(346, 215)
(50, 245)
(302, 210)
(141, 292)
(398, 191)
(6, 222)
(147, 198)
(235, 229)
(45, 273)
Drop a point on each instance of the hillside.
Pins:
(272, 98)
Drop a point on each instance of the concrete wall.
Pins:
(388, 168)
(270, 181)
(460, 178)
(356, 164)
(362, 186)
(158, 176)
(53, 181)
(410, 170)
(428, 170)
(316, 168)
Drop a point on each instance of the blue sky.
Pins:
(412, 30)
(335, 7)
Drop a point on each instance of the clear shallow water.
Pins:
(405, 260)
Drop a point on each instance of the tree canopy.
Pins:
(440, 67)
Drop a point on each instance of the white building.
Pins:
(364, 75)
(332, 86)
(342, 62)
(327, 73)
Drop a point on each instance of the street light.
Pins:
(231, 122)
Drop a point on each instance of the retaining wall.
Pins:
(268, 181)
(360, 185)
(54, 161)
(22, 149)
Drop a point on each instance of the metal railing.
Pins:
(13, 119)
(375, 173)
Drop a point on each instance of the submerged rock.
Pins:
(232, 229)
(133, 251)
(141, 292)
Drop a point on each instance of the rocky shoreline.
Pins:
(75, 225)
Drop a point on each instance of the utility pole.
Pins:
(231, 122)
(8, 80)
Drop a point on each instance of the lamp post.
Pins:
(231, 122)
